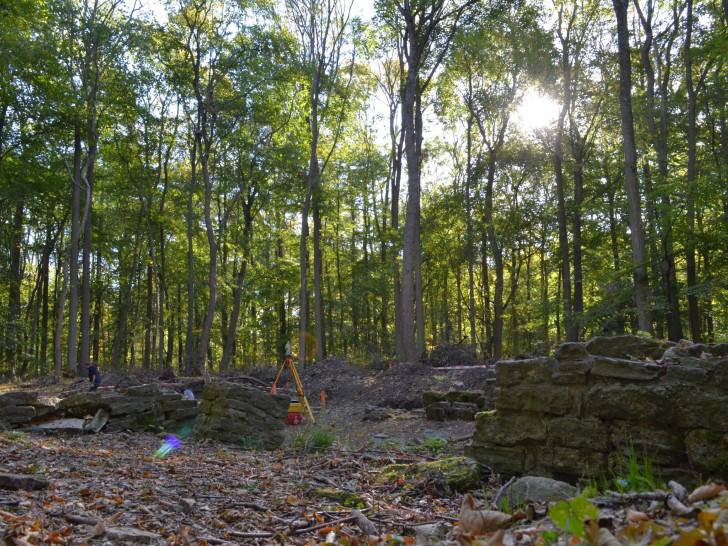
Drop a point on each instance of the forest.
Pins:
(196, 183)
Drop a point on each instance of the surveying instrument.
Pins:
(288, 361)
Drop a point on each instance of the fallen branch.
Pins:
(494, 504)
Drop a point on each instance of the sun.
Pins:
(536, 111)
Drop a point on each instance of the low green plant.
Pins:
(640, 473)
(389, 444)
(319, 437)
(570, 515)
(434, 445)
(13, 435)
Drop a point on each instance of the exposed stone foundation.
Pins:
(582, 412)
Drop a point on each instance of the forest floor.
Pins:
(135, 487)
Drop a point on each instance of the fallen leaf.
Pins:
(478, 522)
(99, 529)
(636, 515)
(707, 491)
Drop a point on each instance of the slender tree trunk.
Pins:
(319, 317)
(127, 289)
(569, 326)
(410, 244)
(397, 148)
(44, 315)
(578, 308)
(189, 337)
(85, 348)
(201, 352)
(497, 254)
(98, 306)
(639, 255)
(13, 350)
(72, 341)
(229, 348)
(659, 138)
(303, 263)
(469, 190)
(148, 321)
(690, 251)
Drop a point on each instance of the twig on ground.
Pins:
(502, 490)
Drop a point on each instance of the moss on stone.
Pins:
(392, 472)
(460, 473)
(344, 498)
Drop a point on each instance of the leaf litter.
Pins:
(107, 489)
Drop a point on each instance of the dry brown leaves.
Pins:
(200, 493)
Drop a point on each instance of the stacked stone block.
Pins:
(16, 408)
(240, 414)
(134, 408)
(582, 412)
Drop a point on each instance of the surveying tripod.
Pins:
(299, 387)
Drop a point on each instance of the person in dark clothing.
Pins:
(94, 376)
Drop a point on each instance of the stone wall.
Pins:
(240, 414)
(139, 407)
(228, 412)
(583, 411)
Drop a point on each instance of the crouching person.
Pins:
(94, 376)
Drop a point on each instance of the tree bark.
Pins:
(12, 332)
(470, 182)
(639, 257)
(76, 227)
(691, 266)
(569, 327)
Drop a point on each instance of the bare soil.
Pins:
(355, 394)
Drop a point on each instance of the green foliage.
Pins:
(638, 474)
(435, 445)
(570, 515)
(316, 437)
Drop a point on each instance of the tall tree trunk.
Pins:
(691, 266)
(637, 235)
(85, 348)
(412, 217)
(659, 138)
(76, 227)
(497, 254)
(397, 148)
(203, 345)
(12, 332)
(578, 308)
(569, 326)
(229, 348)
(189, 336)
(98, 306)
(318, 305)
(470, 188)
(127, 291)
(148, 322)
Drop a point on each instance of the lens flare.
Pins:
(171, 443)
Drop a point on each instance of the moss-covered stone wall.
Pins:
(584, 411)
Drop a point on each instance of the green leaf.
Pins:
(570, 515)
